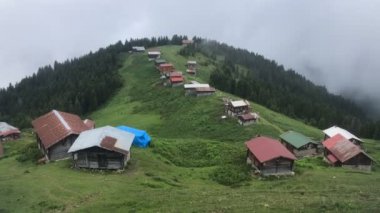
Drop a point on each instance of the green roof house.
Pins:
(299, 144)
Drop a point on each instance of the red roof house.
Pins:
(56, 132)
(339, 151)
(269, 156)
(166, 68)
(8, 132)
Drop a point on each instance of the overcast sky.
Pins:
(333, 43)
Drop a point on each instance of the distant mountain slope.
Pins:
(252, 76)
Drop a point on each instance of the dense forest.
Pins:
(79, 85)
(256, 78)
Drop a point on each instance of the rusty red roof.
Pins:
(205, 89)
(6, 129)
(109, 142)
(331, 158)
(266, 149)
(175, 74)
(55, 126)
(342, 149)
(176, 79)
(166, 65)
(247, 117)
(330, 142)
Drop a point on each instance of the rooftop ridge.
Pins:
(62, 120)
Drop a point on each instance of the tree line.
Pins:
(79, 85)
(251, 76)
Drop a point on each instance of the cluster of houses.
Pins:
(174, 78)
(61, 135)
(269, 156)
(241, 109)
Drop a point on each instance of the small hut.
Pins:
(299, 144)
(175, 79)
(56, 131)
(153, 55)
(235, 108)
(339, 151)
(198, 89)
(186, 42)
(138, 49)
(248, 119)
(158, 62)
(334, 130)
(166, 68)
(8, 132)
(269, 157)
(102, 148)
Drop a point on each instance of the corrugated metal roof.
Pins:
(191, 62)
(296, 139)
(107, 137)
(205, 89)
(330, 142)
(55, 126)
(175, 74)
(6, 129)
(337, 130)
(175, 79)
(154, 53)
(342, 148)
(247, 117)
(193, 86)
(331, 158)
(239, 103)
(266, 149)
(139, 48)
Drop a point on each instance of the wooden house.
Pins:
(166, 68)
(138, 49)
(175, 79)
(158, 62)
(339, 151)
(8, 132)
(153, 55)
(102, 148)
(248, 119)
(334, 130)
(204, 91)
(299, 144)
(269, 157)
(187, 42)
(56, 131)
(235, 108)
(191, 65)
(198, 89)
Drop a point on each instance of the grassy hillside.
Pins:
(176, 174)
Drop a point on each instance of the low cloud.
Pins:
(333, 43)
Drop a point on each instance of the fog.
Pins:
(333, 43)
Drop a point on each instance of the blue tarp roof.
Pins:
(142, 139)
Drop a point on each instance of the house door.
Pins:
(102, 161)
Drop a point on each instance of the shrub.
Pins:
(29, 153)
(230, 175)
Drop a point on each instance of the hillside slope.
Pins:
(190, 142)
